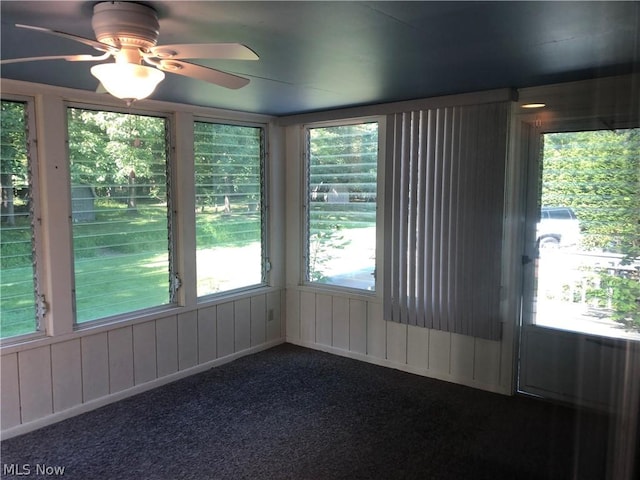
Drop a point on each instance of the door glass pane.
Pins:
(119, 209)
(341, 236)
(588, 233)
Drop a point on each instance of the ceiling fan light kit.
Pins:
(129, 32)
(128, 81)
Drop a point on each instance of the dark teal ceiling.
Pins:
(326, 55)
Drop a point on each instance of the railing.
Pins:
(572, 290)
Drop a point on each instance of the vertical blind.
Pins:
(446, 195)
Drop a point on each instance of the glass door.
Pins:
(582, 285)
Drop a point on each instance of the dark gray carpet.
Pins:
(295, 413)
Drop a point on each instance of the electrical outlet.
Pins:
(270, 315)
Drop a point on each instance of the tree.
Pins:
(597, 173)
(13, 156)
(228, 161)
(106, 147)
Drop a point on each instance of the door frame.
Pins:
(611, 102)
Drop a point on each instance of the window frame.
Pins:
(174, 279)
(380, 205)
(265, 266)
(39, 277)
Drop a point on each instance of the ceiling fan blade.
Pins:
(68, 58)
(103, 47)
(206, 74)
(221, 51)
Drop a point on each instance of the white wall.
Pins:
(48, 379)
(350, 323)
(53, 379)
(352, 326)
(66, 370)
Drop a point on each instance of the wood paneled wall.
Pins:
(353, 326)
(60, 378)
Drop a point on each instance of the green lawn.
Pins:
(121, 261)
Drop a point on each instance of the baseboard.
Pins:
(143, 387)
(402, 366)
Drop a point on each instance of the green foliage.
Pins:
(117, 231)
(597, 173)
(623, 294)
(129, 245)
(342, 189)
(228, 163)
(14, 168)
(322, 248)
(218, 229)
(18, 309)
(345, 155)
(121, 249)
(13, 146)
(105, 147)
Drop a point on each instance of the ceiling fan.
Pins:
(128, 32)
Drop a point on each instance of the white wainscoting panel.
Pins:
(144, 352)
(275, 321)
(34, 369)
(353, 326)
(207, 339)
(376, 331)
(242, 324)
(340, 325)
(258, 320)
(292, 303)
(418, 347)
(225, 338)
(397, 342)
(66, 374)
(462, 356)
(358, 326)
(53, 380)
(440, 351)
(308, 316)
(167, 345)
(120, 359)
(95, 366)
(187, 339)
(9, 393)
(324, 333)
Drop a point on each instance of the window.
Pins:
(341, 205)
(18, 282)
(229, 165)
(120, 213)
(588, 236)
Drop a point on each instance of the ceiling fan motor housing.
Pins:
(125, 24)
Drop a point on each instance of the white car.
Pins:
(558, 227)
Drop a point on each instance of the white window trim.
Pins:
(380, 205)
(266, 264)
(49, 104)
(36, 224)
(171, 185)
